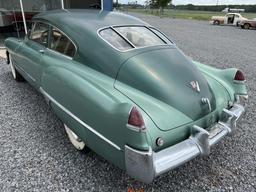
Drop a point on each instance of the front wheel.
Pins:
(247, 26)
(74, 139)
(16, 75)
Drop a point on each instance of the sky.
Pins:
(200, 2)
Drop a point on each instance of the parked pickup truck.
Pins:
(228, 19)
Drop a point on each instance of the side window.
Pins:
(62, 44)
(39, 33)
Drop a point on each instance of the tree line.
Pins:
(160, 4)
(217, 8)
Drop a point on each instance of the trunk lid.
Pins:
(167, 86)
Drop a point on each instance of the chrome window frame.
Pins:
(68, 39)
(51, 26)
(130, 43)
(170, 41)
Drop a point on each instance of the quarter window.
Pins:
(61, 43)
(39, 33)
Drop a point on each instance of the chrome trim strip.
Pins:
(51, 25)
(170, 41)
(136, 129)
(28, 75)
(58, 53)
(66, 36)
(129, 42)
(78, 120)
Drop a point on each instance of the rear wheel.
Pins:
(216, 22)
(247, 26)
(16, 75)
(74, 139)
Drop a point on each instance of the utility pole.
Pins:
(62, 4)
(23, 17)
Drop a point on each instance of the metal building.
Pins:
(41, 5)
(23, 10)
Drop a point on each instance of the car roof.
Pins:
(82, 27)
(88, 18)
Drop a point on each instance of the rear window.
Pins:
(115, 40)
(128, 37)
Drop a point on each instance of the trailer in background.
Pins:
(6, 18)
(11, 11)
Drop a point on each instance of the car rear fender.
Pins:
(88, 103)
(225, 78)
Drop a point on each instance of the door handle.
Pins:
(41, 51)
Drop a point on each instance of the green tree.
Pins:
(161, 4)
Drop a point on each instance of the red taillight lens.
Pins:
(239, 76)
(135, 118)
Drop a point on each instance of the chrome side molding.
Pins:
(51, 99)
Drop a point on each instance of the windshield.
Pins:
(129, 37)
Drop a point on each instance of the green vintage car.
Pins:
(124, 90)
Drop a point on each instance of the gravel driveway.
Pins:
(35, 154)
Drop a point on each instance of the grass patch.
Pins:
(183, 14)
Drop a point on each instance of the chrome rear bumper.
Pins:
(145, 166)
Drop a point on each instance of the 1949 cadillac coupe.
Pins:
(123, 89)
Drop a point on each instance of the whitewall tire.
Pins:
(16, 75)
(13, 69)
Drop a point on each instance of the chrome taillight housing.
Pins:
(135, 120)
(239, 76)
